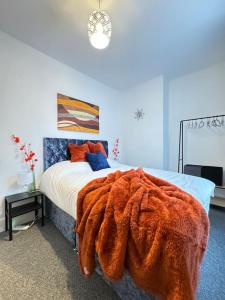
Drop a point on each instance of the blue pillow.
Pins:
(97, 161)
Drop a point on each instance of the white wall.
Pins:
(143, 140)
(29, 83)
(195, 95)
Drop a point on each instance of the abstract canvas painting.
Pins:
(77, 115)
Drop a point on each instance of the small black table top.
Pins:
(22, 196)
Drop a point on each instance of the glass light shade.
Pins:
(99, 29)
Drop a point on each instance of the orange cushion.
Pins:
(78, 152)
(94, 148)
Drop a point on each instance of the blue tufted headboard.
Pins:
(56, 149)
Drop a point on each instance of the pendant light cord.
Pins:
(99, 4)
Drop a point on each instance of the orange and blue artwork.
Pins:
(77, 115)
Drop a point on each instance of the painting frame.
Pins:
(77, 115)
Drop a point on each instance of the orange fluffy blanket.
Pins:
(134, 221)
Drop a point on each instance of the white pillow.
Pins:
(67, 166)
(61, 169)
(76, 166)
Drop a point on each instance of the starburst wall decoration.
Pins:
(139, 114)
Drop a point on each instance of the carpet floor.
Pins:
(40, 264)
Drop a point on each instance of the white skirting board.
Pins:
(218, 201)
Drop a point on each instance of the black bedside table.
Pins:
(15, 211)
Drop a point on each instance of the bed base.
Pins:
(125, 288)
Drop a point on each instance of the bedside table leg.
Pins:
(36, 210)
(10, 223)
(42, 210)
(6, 216)
(6, 223)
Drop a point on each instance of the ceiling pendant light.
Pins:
(99, 28)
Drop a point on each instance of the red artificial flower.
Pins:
(28, 155)
(16, 139)
(32, 153)
(115, 149)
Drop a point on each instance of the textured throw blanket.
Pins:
(134, 221)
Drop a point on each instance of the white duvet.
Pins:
(62, 182)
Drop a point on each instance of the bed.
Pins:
(62, 181)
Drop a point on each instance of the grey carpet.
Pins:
(212, 280)
(40, 264)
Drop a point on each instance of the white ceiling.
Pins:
(149, 38)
